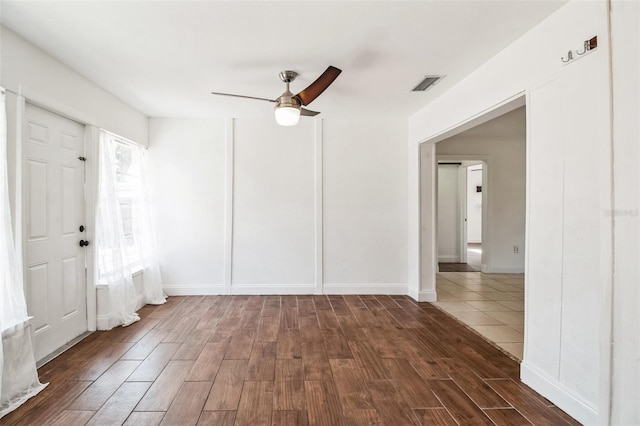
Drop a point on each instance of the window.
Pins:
(127, 178)
(127, 182)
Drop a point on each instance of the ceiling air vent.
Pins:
(427, 82)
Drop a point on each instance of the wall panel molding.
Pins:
(319, 205)
(228, 203)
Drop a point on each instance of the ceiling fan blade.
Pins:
(308, 113)
(242, 96)
(317, 87)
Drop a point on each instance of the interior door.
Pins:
(53, 194)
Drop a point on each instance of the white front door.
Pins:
(53, 185)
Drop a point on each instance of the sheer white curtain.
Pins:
(118, 252)
(18, 374)
(111, 241)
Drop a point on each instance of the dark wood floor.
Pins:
(456, 267)
(271, 360)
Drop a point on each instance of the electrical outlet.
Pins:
(516, 249)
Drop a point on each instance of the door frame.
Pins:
(91, 134)
(464, 207)
(424, 252)
(462, 213)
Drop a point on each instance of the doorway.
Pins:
(54, 226)
(489, 163)
(460, 211)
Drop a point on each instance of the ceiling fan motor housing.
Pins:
(288, 100)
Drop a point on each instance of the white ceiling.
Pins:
(164, 57)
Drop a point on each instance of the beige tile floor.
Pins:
(491, 304)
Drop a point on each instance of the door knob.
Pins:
(84, 243)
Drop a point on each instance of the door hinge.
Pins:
(82, 159)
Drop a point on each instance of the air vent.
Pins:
(427, 82)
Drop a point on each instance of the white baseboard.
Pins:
(140, 302)
(102, 321)
(217, 289)
(423, 295)
(502, 270)
(350, 288)
(273, 289)
(193, 290)
(557, 393)
(449, 258)
(365, 288)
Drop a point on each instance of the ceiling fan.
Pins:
(288, 107)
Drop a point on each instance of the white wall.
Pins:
(41, 78)
(625, 25)
(274, 210)
(502, 143)
(320, 207)
(563, 282)
(566, 369)
(365, 206)
(187, 168)
(448, 211)
(474, 204)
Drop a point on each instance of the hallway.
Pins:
(474, 261)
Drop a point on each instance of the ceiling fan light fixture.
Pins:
(287, 109)
(287, 116)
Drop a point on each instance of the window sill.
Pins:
(135, 272)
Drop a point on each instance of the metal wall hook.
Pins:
(585, 49)
(588, 46)
(569, 57)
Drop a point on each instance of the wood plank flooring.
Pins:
(286, 360)
(456, 267)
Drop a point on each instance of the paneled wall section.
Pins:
(245, 206)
